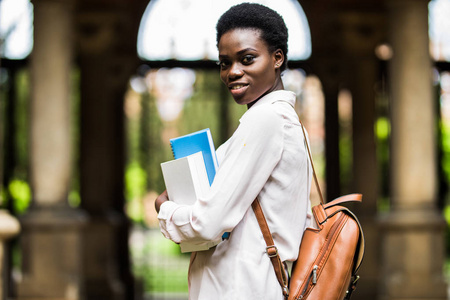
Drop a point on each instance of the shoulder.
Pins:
(265, 117)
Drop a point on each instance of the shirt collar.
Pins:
(279, 95)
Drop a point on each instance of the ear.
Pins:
(278, 57)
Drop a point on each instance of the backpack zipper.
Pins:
(312, 278)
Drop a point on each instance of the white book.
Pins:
(186, 180)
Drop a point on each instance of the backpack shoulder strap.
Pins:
(345, 198)
(271, 249)
(316, 181)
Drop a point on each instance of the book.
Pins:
(186, 180)
(200, 141)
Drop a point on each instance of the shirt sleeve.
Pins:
(220, 152)
(250, 156)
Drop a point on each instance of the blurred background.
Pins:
(91, 91)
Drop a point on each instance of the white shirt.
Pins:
(265, 157)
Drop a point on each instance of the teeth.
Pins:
(237, 87)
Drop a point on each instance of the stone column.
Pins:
(413, 241)
(50, 67)
(51, 239)
(362, 31)
(106, 66)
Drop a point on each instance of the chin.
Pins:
(243, 101)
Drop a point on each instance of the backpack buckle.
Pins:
(272, 251)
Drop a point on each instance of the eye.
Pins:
(248, 59)
(223, 63)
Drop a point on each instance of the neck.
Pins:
(278, 85)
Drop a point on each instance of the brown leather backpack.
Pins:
(330, 253)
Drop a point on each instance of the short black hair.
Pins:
(256, 16)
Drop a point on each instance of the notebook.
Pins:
(200, 141)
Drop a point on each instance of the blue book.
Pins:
(195, 142)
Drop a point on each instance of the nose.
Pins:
(235, 71)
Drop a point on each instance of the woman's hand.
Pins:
(160, 200)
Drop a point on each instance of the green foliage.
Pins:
(135, 188)
(445, 133)
(445, 163)
(382, 128)
(135, 181)
(382, 133)
(447, 214)
(446, 268)
(202, 109)
(345, 160)
(383, 204)
(159, 263)
(21, 195)
(22, 123)
(152, 149)
(3, 197)
(74, 198)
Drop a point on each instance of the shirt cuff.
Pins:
(166, 210)
(174, 221)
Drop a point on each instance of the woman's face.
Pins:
(247, 67)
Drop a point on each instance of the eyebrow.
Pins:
(240, 52)
(245, 50)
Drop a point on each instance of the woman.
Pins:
(265, 158)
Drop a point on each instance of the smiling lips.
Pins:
(238, 90)
(237, 86)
